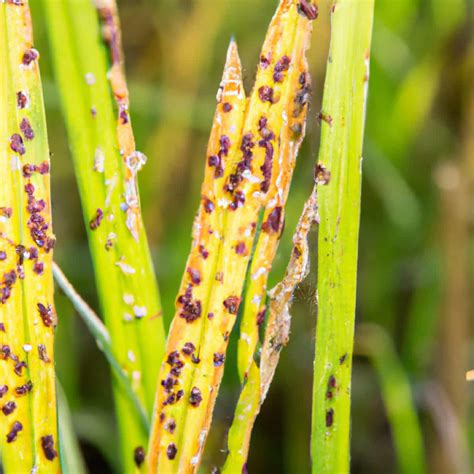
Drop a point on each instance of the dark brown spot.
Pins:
(308, 9)
(321, 174)
(19, 366)
(9, 408)
(173, 358)
(5, 351)
(46, 314)
(218, 359)
(29, 56)
(15, 429)
(261, 316)
(226, 107)
(43, 354)
(139, 456)
(342, 359)
(265, 61)
(170, 426)
(47, 443)
(281, 66)
(3, 390)
(171, 451)
(191, 309)
(24, 389)
(2, 327)
(272, 224)
(179, 395)
(332, 382)
(38, 268)
(203, 252)
(208, 205)
(16, 144)
(210, 315)
(26, 129)
(195, 275)
(3, 255)
(329, 418)
(21, 100)
(240, 248)
(266, 94)
(96, 220)
(188, 348)
(325, 117)
(232, 303)
(195, 398)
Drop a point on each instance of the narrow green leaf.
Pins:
(374, 342)
(87, 57)
(338, 174)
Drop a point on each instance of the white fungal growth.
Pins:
(135, 161)
(125, 267)
(131, 356)
(261, 271)
(128, 298)
(27, 347)
(139, 311)
(90, 79)
(99, 160)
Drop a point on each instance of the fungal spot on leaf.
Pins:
(46, 314)
(139, 456)
(272, 224)
(329, 417)
(232, 303)
(29, 56)
(218, 359)
(9, 408)
(325, 117)
(195, 275)
(16, 144)
(26, 129)
(281, 66)
(47, 443)
(15, 429)
(171, 451)
(24, 389)
(308, 9)
(266, 94)
(321, 174)
(22, 101)
(97, 219)
(195, 398)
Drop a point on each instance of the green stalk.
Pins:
(106, 164)
(102, 339)
(339, 171)
(28, 426)
(375, 343)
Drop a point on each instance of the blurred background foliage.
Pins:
(416, 246)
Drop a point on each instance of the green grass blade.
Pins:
(374, 342)
(106, 164)
(339, 168)
(102, 338)
(71, 457)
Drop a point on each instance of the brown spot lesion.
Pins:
(14, 430)
(139, 456)
(322, 175)
(191, 309)
(231, 304)
(308, 9)
(195, 397)
(47, 443)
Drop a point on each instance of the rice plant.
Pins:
(219, 377)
